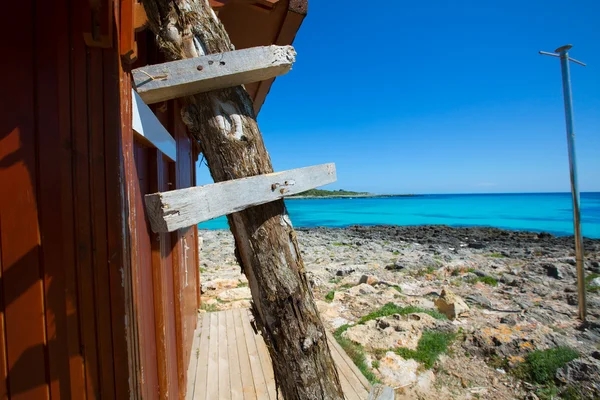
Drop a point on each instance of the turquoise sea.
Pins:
(547, 212)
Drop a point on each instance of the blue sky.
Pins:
(438, 96)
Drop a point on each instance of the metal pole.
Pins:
(566, 82)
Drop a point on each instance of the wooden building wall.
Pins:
(92, 304)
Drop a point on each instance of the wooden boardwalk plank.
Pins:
(235, 377)
(194, 358)
(355, 377)
(202, 365)
(348, 384)
(267, 365)
(233, 362)
(224, 385)
(212, 380)
(244, 359)
(260, 385)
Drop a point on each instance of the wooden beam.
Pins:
(181, 208)
(161, 82)
(146, 125)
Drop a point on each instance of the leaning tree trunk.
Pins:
(224, 123)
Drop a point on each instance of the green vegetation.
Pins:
(540, 366)
(242, 284)
(396, 252)
(588, 280)
(202, 270)
(495, 255)
(329, 296)
(375, 364)
(209, 307)
(347, 285)
(398, 288)
(428, 270)
(488, 280)
(335, 280)
(430, 346)
(338, 244)
(327, 193)
(356, 353)
(391, 309)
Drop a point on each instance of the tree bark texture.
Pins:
(224, 123)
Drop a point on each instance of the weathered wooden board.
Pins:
(171, 80)
(149, 127)
(176, 209)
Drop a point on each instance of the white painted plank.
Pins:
(181, 208)
(161, 82)
(149, 127)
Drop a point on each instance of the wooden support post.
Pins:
(175, 209)
(266, 246)
(171, 80)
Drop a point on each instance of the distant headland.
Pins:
(341, 194)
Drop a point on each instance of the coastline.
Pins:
(517, 289)
(350, 196)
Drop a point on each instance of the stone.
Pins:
(396, 371)
(393, 331)
(476, 245)
(361, 289)
(451, 305)
(368, 279)
(397, 266)
(594, 282)
(220, 284)
(554, 271)
(479, 299)
(579, 371)
(235, 294)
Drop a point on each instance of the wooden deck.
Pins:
(230, 361)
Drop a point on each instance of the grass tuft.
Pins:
(329, 296)
(209, 307)
(391, 309)
(356, 353)
(540, 366)
(495, 255)
(488, 280)
(588, 280)
(430, 346)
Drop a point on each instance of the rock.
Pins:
(397, 266)
(581, 373)
(594, 282)
(593, 266)
(479, 299)
(368, 279)
(220, 284)
(396, 371)
(452, 305)
(510, 279)
(554, 271)
(361, 289)
(342, 270)
(572, 299)
(235, 294)
(476, 245)
(394, 331)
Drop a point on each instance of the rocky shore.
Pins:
(444, 313)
